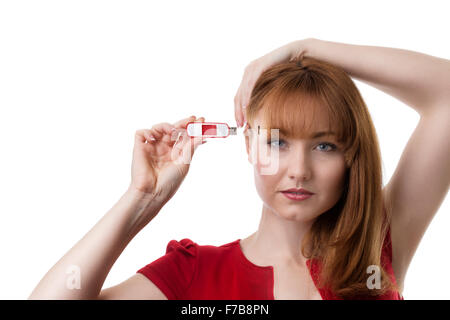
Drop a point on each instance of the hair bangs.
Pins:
(299, 114)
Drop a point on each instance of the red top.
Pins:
(189, 271)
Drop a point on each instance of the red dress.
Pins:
(189, 271)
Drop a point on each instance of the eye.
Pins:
(281, 143)
(332, 146)
(277, 143)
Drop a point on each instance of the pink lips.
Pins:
(301, 190)
(297, 197)
(297, 194)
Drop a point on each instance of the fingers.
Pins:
(182, 125)
(185, 147)
(183, 122)
(166, 132)
(240, 106)
(253, 72)
(193, 141)
(237, 108)
(162, 132)
(144, 135)
(243, 95)
(192, 145)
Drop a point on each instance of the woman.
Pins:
(350, 239)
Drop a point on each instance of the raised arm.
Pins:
(421, 180)
(160, 164)
(419, 80)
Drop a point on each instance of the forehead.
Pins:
(298, 121)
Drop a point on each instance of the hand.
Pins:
(252, 72)
(160, 160)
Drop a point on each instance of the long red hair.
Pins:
(349, 237)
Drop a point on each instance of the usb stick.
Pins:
(210, 129)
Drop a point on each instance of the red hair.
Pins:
(349, 237)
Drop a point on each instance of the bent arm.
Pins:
(93, 256)
(421, 180)
(419, 80)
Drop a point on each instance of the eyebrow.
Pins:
(323, 133)
(315, 134)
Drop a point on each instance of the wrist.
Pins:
(138, 195)
(144, 207)
(302, 48)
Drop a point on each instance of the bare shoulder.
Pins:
(137, 287)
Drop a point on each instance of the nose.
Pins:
(299, 166)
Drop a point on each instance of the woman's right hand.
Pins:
(160, 164)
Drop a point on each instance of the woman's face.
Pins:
(314, 164)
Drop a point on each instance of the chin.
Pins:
(295, 214)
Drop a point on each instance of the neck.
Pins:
(278, 240)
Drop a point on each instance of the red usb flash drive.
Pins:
(210, 129)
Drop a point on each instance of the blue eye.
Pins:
(333, 147)
(279, 143)
(275, 145)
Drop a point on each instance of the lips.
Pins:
(298, 191)
(296, 196)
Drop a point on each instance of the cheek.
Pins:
(266, 161)
(266, 186)
(265, 183)
(332, 177)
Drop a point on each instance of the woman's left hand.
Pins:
(256, 68)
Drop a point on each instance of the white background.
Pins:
(78, 78)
